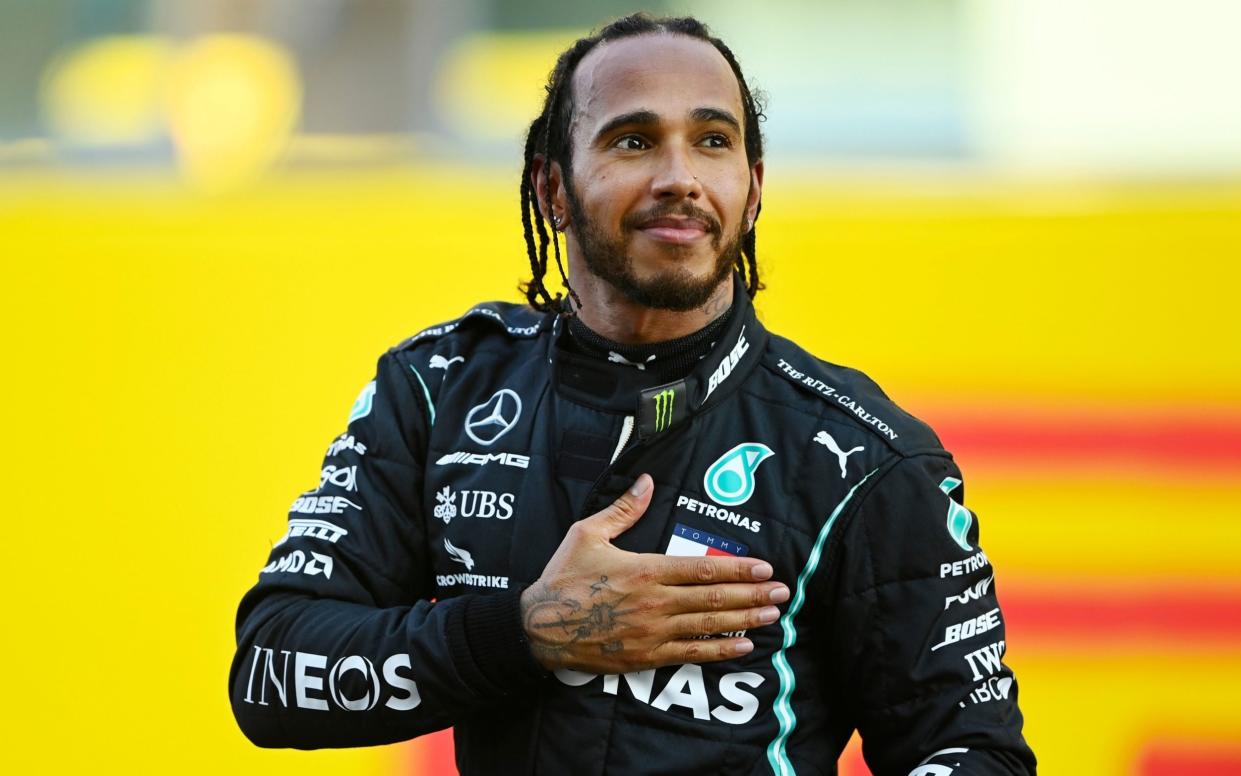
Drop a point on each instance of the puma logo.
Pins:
(617, 358)
(439, 362)
(826, 440)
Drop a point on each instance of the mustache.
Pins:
(664, 210)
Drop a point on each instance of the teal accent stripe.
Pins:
(776, 754)
(425, 392)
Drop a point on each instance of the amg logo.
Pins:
(482, 459)
(353, 684)
(664, 401)
(973, 593)
(314, 529)
(728, 364)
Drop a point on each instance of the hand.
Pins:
(601, 609)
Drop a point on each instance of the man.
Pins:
(632, 531)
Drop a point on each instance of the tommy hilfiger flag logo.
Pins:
(686, 541)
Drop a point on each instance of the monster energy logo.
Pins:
(663, 409)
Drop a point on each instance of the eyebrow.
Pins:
(649, 118)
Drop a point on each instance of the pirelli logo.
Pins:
(661, 408)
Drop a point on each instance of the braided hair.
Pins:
(549, 137)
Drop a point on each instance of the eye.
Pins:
(717, 141)
(630, 143)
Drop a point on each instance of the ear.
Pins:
(549, 189)
(755, 199)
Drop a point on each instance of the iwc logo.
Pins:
(730, 480)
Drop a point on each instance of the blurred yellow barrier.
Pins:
(179, 362)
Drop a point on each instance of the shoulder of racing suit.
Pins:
(489, 329)
(518, 321)
(853, 397)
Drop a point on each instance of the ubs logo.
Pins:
(494, 418)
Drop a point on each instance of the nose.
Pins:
(675, 178)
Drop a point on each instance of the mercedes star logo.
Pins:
(493, 418)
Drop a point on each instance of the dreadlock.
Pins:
(549, 137)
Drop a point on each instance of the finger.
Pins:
(700, 651)
(732, 595)
(708, 569)
(621, 514)
(688, 626)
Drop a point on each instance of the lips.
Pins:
(675, 230)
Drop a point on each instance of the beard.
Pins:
(677, 289)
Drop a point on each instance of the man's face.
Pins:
(660, 190)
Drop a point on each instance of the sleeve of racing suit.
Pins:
(338, 643)
(919, 635)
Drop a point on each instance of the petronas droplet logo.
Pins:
(730, 480)
(959, 518)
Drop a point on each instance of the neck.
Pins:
(609, 313)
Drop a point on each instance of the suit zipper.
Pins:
(626, 432)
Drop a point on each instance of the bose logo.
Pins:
(729, 363)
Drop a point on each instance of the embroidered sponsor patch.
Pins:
(687, 542)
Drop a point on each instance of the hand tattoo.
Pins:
(568, 622)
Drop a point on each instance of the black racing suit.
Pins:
(390, 607)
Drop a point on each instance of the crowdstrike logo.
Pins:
(494, 418)
(730, 480)
(827, 441)
(665, 400)
(459, 555)
(268, 682)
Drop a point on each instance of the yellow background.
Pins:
(177, 363)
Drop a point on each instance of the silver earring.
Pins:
(556, 223)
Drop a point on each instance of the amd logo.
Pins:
(353, 684)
